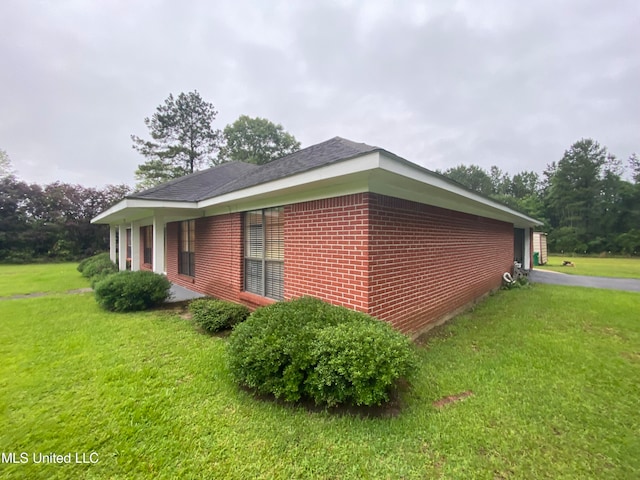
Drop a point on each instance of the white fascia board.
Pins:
(119, 211)
(354, 175)
(369, 161)
(410, 170)
(334, 187)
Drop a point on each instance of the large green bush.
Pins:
(97, 266)
(129, 291)
(83, 263)
(214, 315)
(306, 348)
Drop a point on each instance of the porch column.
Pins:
(113, 254)
(122, 247)
(526, 261)
(135, 246)
(158, 244)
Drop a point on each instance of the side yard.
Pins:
(549, 376)
(596, 267)
(39, 278)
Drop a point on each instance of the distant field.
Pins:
(39, 278)
(595, 267)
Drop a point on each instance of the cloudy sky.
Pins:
(439, 83)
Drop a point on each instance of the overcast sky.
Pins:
(439, 83)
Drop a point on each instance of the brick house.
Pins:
(346, 222)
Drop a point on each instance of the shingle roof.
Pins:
(233, 176)
(199, 185)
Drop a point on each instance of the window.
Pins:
(147, 244)
(264, 252)
(187, 248)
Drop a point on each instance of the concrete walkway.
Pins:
(178, 294)
(181, 294)
(557, 278)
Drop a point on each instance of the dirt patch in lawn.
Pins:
(452, 398)
(632, 356)
(439, 332)
(75, 291)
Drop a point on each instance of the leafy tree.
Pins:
(182, 139)
(256, 140)
(500, 181)
(634, 164)
(473, 177)
(524, 184)
(6, 169)
(629, 242)
(574, 194)
(565, 240)
(52, 221)
(583, 200)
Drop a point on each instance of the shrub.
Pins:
(129, 291)
(215, 315)
(83, 263)
(306, 348)
(98, 265)
(357, 363)
(93, 281)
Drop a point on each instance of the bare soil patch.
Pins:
(452, 398)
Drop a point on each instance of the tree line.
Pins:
(53, 221)
(589, 200)
(586, 203)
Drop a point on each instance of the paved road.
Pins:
(555, 278)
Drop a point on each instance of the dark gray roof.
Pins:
(199, 185)
(233, 176)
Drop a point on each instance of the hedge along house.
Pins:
(346, 222)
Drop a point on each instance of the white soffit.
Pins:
(399, 178)
(131, 209)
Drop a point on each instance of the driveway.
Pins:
(556, 278)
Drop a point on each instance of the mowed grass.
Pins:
(39, 278)
(595, 267)
(553, 373)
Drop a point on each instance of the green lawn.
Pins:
(553, 370)
(39, 278)
(595, 267)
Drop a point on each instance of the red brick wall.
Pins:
(404, 262)
(425, 262)
(218, 256)
(325, 250)
(171, 256)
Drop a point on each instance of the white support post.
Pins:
(135, 246)
(526, 263)
(122, 247)
(113, 254)
(158, 245)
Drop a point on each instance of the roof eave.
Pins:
(130, 208)
(403, 168)
(377, 171)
